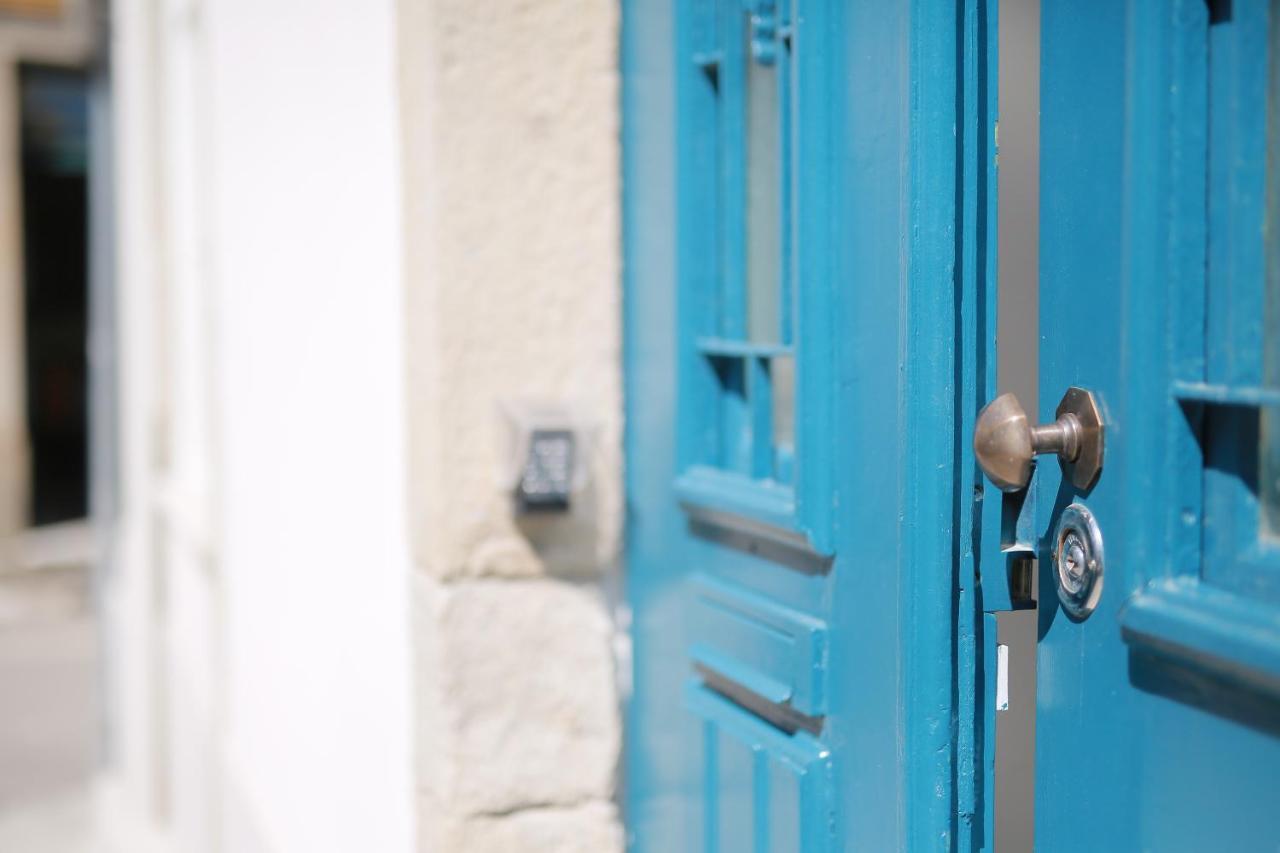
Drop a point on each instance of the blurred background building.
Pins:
(288, 291)
(50, 706)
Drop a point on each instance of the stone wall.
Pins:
(510, 128)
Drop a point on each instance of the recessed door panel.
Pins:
(765, 788)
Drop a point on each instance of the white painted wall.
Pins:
(261, 655)
(129, 800)
(311, 417)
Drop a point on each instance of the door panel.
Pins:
(1159, 713)
(731, 540)
(806, 275)
(765, 789)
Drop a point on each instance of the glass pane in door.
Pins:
(1269, 452)
(763, 209)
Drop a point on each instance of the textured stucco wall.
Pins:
(510, 151)
(511, 128)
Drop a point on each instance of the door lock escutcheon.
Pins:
(1078, 561)
(1005, 442)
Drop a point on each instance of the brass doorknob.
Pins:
(1005, 442)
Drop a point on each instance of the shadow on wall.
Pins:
(566, 542)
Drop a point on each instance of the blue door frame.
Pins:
(812, 649)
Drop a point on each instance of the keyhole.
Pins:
(1073, 562)
(1075, 557)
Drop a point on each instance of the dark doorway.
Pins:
(55, 254)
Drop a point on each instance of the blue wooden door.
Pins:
(1158, 723)
(807, 261)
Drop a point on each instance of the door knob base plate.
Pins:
(1083, 406)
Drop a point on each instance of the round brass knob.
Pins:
(1005, 442)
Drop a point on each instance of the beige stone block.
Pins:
(517, 704)
(512, 270)
(590, 828)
